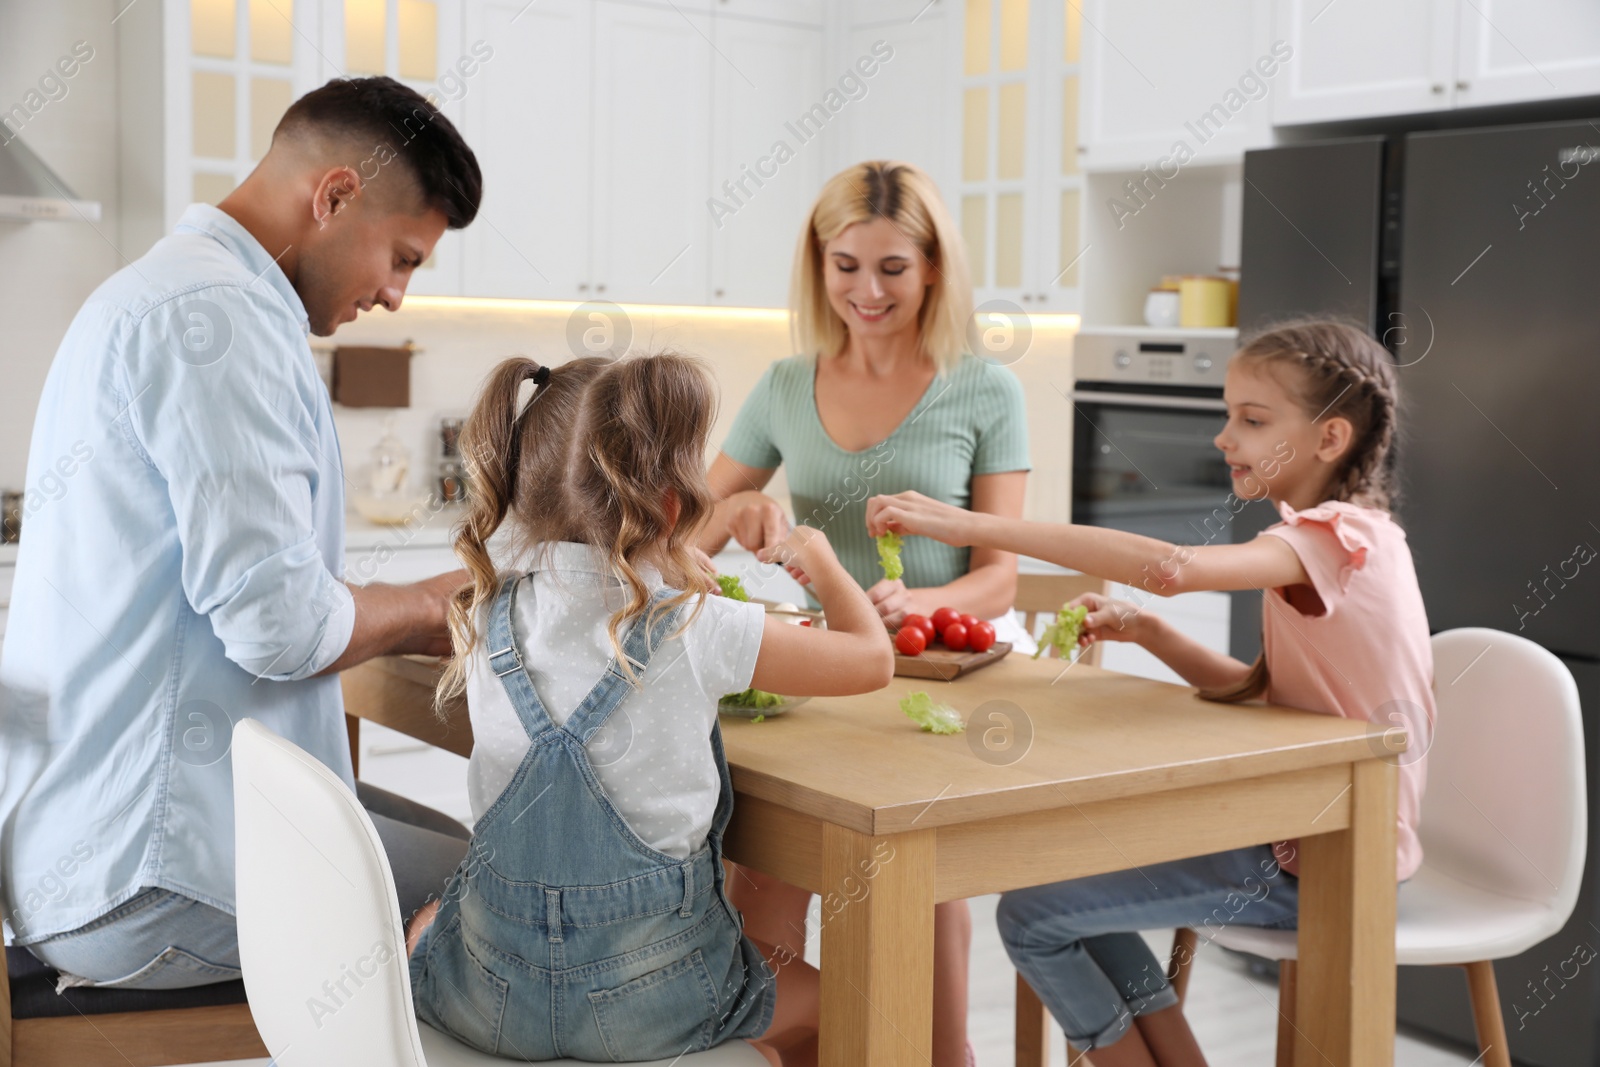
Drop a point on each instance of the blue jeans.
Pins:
(1077, 945)
(164, 940)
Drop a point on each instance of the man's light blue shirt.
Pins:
(179, 570)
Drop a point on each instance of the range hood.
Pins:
(31, 190)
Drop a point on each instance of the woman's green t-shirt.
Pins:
(970, 421)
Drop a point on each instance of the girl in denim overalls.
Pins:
(589, 919)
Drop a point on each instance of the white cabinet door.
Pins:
(1356, 58)
(764, 179)
(528, 117)
(1160, 72)
(1515, 50)
(652, 152)
(911, 110)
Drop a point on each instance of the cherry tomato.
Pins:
(969, 621)
(944, 617)
(955, 637)
(923, 623)
(910, 641)
(980, 638)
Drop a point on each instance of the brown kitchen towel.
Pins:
(372, 377)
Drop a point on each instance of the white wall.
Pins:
(48, 268)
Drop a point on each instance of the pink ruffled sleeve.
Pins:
(1332, 541)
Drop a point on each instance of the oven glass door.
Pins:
(1145, 463)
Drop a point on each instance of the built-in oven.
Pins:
(1147, 405)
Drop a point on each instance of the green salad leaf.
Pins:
(732, 587)
(752, 698)
(889, 555)
(934, 718)
(1062, 635)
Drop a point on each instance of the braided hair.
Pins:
(1333, 369)
(1339, 370)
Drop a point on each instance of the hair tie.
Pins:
(541, 376)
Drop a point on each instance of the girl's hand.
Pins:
(797, 551)
(921, 516)
(1109, 620)
(756, 521)
(893, 601)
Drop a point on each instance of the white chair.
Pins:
(320, 938)
(1504, 825)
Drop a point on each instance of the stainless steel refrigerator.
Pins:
(1474, 254)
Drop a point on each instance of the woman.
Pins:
(882, 398)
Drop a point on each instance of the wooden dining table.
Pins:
(1062, 771)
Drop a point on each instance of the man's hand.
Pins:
(399, 619)
(432, 634)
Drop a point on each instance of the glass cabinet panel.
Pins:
(419, 40)
(272, 31)
(215, 128)
(211, 28)
(365, 36)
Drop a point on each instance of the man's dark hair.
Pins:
(386, 113)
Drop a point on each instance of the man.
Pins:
(189, 576)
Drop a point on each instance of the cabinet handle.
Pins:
(718, 293)
(600, 288)
(1462, 87)
(1026, 297)
(583, 287)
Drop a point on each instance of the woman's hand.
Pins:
(921, 516)
(756, 521)
(1110, 620)
(893, 601)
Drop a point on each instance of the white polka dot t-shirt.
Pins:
(653, 757)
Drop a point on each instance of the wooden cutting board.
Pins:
(945, 665)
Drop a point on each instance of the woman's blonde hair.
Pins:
(1333, 369)
(907, 197)
(601, 454)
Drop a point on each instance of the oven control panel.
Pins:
(1152, 356)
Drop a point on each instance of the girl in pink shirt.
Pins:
(1312, 418)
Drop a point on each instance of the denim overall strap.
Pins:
(506, 661)
(639, 644)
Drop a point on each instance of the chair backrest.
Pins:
(320, 938)
(1506, 807)
(1047, 592)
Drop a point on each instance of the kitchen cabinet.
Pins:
(609, 128)
(909, 111)
(417, 42)
(1158, 74)
(1527, 50)
(203, 83)
(651, 153)
(1019, 199)
(529, 119)
(764, 176)
(1366, 58)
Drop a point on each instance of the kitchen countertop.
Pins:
(431, 529)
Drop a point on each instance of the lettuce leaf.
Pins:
(1062, 634)
(934, 718)
(752, 698)
(732, 587)
(889, 555)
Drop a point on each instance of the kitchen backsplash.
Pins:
(459, 342)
